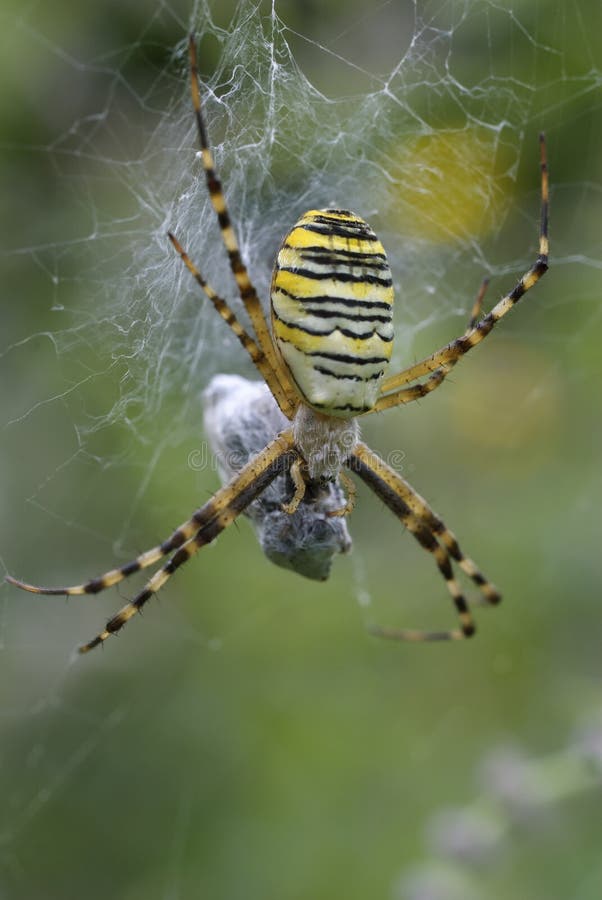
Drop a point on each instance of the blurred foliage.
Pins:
(246, 739)
(453, 170)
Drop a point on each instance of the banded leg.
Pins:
(246, 289)
(280, 394)
(475, 313)
(292, 505)
(444, 359)
(347, 509)
(490, 594)
(226, 506)
(300, 490)
(417, 391)
(226, 496)
(384, 482)
(419, 506)
(424, 513)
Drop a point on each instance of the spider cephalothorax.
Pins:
(323, 365)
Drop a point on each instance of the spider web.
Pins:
(423, 118)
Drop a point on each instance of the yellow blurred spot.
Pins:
(447, 185)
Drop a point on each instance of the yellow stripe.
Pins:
(335, 343)
(338, 215)
(305, 287)
(299, 238)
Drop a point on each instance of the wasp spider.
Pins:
(324, 364)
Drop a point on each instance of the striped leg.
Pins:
(423, 512)
(490, 594)
(475, 313)
(227, 496)
(298, 480)
(226, 505)
(443, 360)
(283, 397)
(347, 509)
(416, 391)
(384, 481)
(246, 289)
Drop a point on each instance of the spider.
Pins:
(324, 364)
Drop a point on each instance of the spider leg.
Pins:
(392, 490)
(226, 505)
(349, 506)
(228, 495)
(475, 312)
(416, 391)
(442, 361)
(281, 395)
(424, 513)
(292, 505)
(246, 289)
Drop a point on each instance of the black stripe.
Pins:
(347, 407)
(344, 331)
(380, 487)
(204, 141)
(355, 224)
(334, 211)
(328, 251)
(338, 231)
(172, 543)
(331, 260)
(347, 358)
(336, 276)
(92, 587)
(349, 302)
(213, 183)
(352, 317)
(324, 371)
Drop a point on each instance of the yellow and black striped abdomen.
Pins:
(332, 299)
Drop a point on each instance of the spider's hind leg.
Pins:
(490, 596)
(431, 533)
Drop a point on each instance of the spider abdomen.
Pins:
(332, 299)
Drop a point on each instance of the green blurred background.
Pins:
(246, 738)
